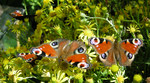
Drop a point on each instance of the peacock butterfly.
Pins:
(18, 15)
(109, 52)
(71, 52)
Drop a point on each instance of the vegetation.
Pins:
(78, 20)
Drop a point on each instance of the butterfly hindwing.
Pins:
(75, 55)
(128, 49)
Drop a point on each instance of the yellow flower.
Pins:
(87, 9)
(141, 2)
(26, 19)
(146, 24)
(121, 17)
(15, 74)
(88, 33)
(133, 28)
(128, 7)
(104, 9)
(78, 76)
(114, 68)
(58, 30)
(5, 61)
(59, 12)
(97, 11)
(137, 78)
(89, 80)
(61, 0)
(57, 27)
(69, 1)
(140, 36)
(38, 12)
(119, 77)
(52, 13)
(45, 74)
(59, 77)
(88, 1)
(46, 2)
(112, 38)
(3, 80)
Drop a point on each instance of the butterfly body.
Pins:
(109, 52)
(74, 54)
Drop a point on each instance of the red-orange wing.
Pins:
(100, 45)
(128, 49)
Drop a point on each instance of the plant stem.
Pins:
(17, 38)
(57, 2)
(106, 19)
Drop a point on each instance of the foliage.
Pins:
(78, 20)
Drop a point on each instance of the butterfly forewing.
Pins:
(27, 56)
(131, 45)
(101, 45)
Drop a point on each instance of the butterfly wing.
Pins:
(28, 57)
(48, 49)
(75, 55)
(18, 15)
(104, 49)
(128, 49)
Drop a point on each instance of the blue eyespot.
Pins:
(129, 55)
(103, 56)
(80, 50)
(54, 43)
